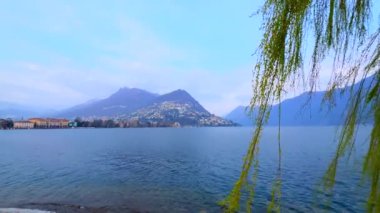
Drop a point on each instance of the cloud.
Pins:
(34, 85)
(133, 56)
(64, 85)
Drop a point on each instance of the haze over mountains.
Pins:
(180, 106)
(119, 104)
(18, 111)
(137, 104)
(297, 111)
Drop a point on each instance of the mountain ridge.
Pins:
(122, 102)
(303, 110)
(137, 104)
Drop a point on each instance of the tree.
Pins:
(9, 123)
(110, 124)
(98, 123)
(3, 124)
(6, 123)
(340, 29)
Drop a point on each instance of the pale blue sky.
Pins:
(61, 53)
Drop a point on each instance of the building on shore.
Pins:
(23, 125)
(176, 125)
(38, 122)
(58, 123)
(73, 124)
(49, 122)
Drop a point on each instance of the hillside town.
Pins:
(184, 113)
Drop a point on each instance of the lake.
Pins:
(171, 169)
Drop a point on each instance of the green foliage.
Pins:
(339, 27)
(6, 124)
(97, 123)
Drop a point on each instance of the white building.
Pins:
(23, 125)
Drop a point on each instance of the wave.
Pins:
(20, 210)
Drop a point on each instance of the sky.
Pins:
(56, 54)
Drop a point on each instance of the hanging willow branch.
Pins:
(339, 28)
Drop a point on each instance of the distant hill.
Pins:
(178, 106)
(119, 104)
(181, 97)
(297, 111)
(136, 104)
(17, 111)
(240, 115)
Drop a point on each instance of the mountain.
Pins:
(121, 103)
(240, 116)
(178, 106)
(17, 111)
(303, 110)
(136, 104)
(181, 97)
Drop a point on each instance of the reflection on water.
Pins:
(168, 170)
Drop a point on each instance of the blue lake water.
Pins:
(172, 170)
